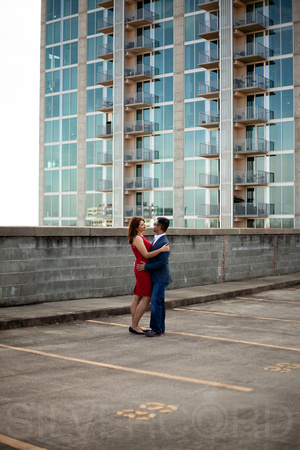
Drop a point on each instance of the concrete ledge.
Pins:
(66, 311)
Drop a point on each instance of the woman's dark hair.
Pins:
(163, 222)
(132, 228)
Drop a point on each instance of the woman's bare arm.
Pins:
(139, 244)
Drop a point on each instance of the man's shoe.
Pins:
(152, 333)
(132, 330)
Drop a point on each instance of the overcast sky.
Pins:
(19, 121)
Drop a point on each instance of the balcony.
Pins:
(209, 60)
(210, 90)
(106, 51)
(252, 209)
(252, 177)
(106, 3)
(105, 158)
(139, 184)
(105, 104)
(139, 155)
(139, 45)
(209, 180)
(140, 72)
(252, 115)
(251, 22)
(251, 53)
(252, 147)
(141, 18)
(105, 131)
(105, 78)
(251, 84)
(104, 185)
(211, 120)
(209, 29)
(209, 210)
(138, 210)
(209, 150)
(104, 212)
(106, 25)
(139, 128)
(208, 5)
(140, 100)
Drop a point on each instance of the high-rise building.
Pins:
(181, 108)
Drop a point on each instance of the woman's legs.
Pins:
(138, 307)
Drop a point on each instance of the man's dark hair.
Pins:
(163, 222)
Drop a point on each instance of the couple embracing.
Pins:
(152, 277)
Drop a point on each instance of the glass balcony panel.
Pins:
(253, 83)
(209, 150)
(252, 146)
(209, 120)
(209, 29)
(105, 104)
(104, 212)
(106, 51)
(253, 177)
(210, 89)
(209, 179)
(139, 155)
(140, 44)
(141, 17)
(104, 158)
(138, 210)
(251, 21)
(104, 185)
(140, 99)
(139, 127)
(105, 25)
(209, 60)
(140, 72)
(105, 131)
(139, 184)
(252, 209)
(209, 210)
(251, 52)
(252, 114)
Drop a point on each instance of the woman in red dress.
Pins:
(143, 287)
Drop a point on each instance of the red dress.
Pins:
(143, 285)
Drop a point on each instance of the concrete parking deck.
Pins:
(56, 312)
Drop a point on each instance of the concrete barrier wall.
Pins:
(40, 264)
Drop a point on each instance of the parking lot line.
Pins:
(15, 443)
(130, 369)
(266, 300)
(202, 336)
(235, 315)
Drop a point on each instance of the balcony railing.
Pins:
(251, 21)
(104, 158)
(209, 29)
(211, 120)
(210, 89)
(252, 146)
(209, 210)
(140, 99)
(208, 5)
(140, 44)
(139, 155)
(106, 51)
(252, 209)
(105, 78)
(139, 127)
(104, 212)
(141, 17)
(140, 72)
(209, 60)
(252, 114)
(253, 177)
(251, 83)
(105, 131)
(139, 184)
(105, 104)
(209, 179)
(251, 52)
(104, 185)
(209, 150)
(106, 25)
(137, 210)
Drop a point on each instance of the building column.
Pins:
(81, 113)
(178, 208)
(296, 23)
(42, 113)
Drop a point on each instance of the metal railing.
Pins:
(104, 77)
(209, 26)
(252, 113)
(209, 179)
(253, 177)
(140, 69)
(105, 130)
(105, 103)
(141, 97)
(105, 22)
(142, 13)
(208, 119)
(138, 210)
(252, 145)
(104, 185)
(251, 49)
(208, 149)
(139, 154)
(209, 57)
(249, 18)
(140, 41)
(139, 183)
(252, 209)
(105, 49)
(143, 126)
(251, 81)
(209, 88)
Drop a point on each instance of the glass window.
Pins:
(288, 167)
(189, 27)
(158, 34)
(287, 40)
(287, 223)
(189, 143)
(275, 167)
(274, 41)
(159, 89)
(189, 91)
(275, 135)
(287, 200)
(168, 90)
(274, 72)
(189, 202)
(168, 60)
(288, 103)
(168, 174)
(287, 72)
(159, 61)
(286, 11)
(189, 116)
(275, 104)
(287, 136)
(189, 57)
(168, 145)
(168, 32)
(168, 117)
(158, 117)
(274, 11)
(275, 199)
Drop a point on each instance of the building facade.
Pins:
(181, 108)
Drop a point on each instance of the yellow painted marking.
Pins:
(283, 367)
(266, 300)
(14, 443)
(212, 338)
(235, 315)
(129, 369)
(145, 415)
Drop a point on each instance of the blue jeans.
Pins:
(158, 307)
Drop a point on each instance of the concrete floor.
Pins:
(224, 376)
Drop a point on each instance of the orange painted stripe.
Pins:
(14, 443)
(266, 300)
